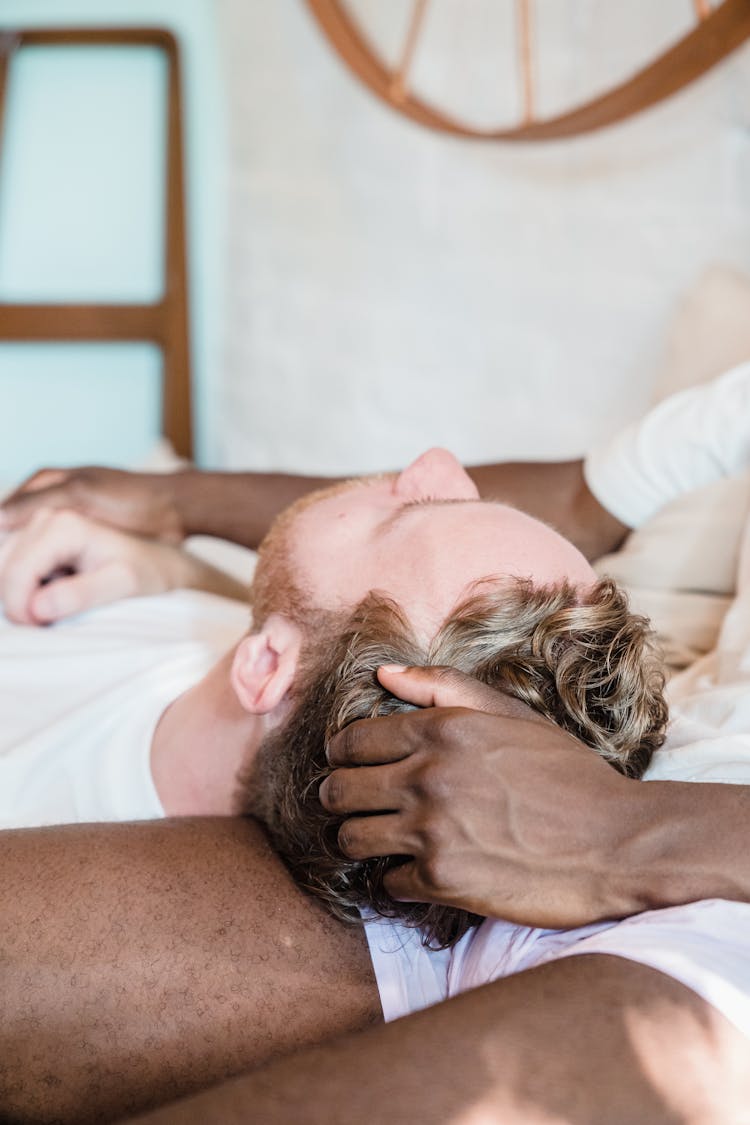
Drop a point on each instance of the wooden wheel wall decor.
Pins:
(719, 29)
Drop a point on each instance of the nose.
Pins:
(436, 475)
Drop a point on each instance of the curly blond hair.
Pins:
(582, 660)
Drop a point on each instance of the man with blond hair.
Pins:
(438, 543)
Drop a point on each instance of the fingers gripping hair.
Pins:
(589, 665)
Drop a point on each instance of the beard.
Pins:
(277, 586)
(280, 787)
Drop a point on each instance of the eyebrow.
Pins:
(424, 502)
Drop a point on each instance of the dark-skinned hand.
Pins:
(134, 502)
(502, 812)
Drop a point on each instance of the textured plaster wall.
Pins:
(388, 288)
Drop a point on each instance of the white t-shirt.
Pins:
(80, 700)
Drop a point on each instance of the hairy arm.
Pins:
(242, 506)
(577, 1042)
(141, 962)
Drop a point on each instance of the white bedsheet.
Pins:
(710, 701)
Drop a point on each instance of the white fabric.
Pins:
(684, 443)
(80, 701)
(705, 945)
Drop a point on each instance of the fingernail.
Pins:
(392, 667)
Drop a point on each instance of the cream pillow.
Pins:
(680, 567)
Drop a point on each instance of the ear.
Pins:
(436, 475)
(265, 664)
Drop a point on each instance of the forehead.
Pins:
(426, 555)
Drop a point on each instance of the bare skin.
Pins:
(242, 506)
(584, 1041)
(699, 1066)
(508, 815)
(142, 962)
(96, 565)
(630, 846)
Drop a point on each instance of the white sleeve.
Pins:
(687, 441)
(704, 945)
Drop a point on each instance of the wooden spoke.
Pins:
(721, 27)
(526, 60)
(401, 75)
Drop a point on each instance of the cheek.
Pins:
(333, 558)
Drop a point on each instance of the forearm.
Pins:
(236, 506)
(581, 1041)
(242, 506)
(555, 492)
(685, 842)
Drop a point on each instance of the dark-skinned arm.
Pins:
(142, 962)
(242, 506)
(555, 492)
(579, 1042)
(507, 815)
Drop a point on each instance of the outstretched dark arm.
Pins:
(242, 506)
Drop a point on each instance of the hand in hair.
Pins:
(504, 812)
(584, 663)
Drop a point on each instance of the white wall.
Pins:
(389, 288)
(386, 288)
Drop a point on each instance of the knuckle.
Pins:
(430, 780)
(444, 725)
(348, 838)
(434, 870)
(40, 475)
(344, 747)
(331, 793)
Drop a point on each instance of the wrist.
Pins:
(598, 531)
(672, 850)
(179, 497)
(639, 871)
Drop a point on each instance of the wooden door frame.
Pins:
(163, 322)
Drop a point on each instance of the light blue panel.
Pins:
(82, 176)
(194, 24)
(68, 404)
